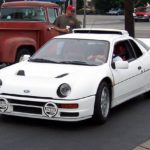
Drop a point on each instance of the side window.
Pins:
(52, 14)
(38, 14)
(148, 9)
(136, 49)
(123, 51)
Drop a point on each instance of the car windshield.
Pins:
(143, 9)
(73, 51)
(116, 9)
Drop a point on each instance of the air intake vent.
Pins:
(62, 75)
(21, 73)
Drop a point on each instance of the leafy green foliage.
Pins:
(80, 4)
(141, 2)
(105, 5)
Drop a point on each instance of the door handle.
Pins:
(50, 28)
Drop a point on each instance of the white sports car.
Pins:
(77, 76)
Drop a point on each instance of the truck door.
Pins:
(52, 15)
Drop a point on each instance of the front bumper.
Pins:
(34, 107)
(141, 18)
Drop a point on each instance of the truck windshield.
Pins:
(22, 14)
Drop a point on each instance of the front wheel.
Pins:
(21, 53)
(102, 103)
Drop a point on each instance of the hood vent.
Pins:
(21, 73)
(62, 75)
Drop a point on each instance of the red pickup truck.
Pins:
(24, 27)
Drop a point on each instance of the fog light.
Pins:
(3, 104)
(50, 109)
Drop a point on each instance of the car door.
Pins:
(127, 82)
(145, 60)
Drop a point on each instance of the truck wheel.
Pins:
(102, 103)
(21, 53)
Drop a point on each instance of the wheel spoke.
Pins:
(102, 103)
(105, 101)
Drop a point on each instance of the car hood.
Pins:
(29, 69)
(43, 79)
(142, 13)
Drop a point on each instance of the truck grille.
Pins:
(140, 15)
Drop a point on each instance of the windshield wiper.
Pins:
(77, 63)
(42, 60)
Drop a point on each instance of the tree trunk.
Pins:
(129, 19)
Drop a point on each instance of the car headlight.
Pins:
(64, 90)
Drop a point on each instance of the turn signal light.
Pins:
(68, 106)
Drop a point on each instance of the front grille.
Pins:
(31, 110)
(69, 114)
(140, 15)
(23, 102)
(23, 106)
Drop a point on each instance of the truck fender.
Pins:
(12, 45)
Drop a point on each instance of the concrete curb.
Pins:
(144, 146)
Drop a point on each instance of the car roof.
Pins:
(100, 31)
(29, 4)
(106, 37)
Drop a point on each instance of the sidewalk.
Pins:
(144, 146)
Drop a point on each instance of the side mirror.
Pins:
(24, 58)
(120, 65)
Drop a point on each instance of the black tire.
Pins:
(5, 117)
(147, 94)
(21, 53)
(102, 103)
(135, 20)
